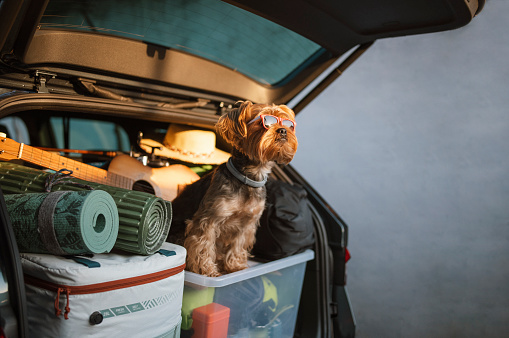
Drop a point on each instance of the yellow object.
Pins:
(270, 292)
(192, 299)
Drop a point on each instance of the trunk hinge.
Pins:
(40, 79)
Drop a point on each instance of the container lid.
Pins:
(255, 269)
(212, 312)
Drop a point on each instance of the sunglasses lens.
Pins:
(269, 120)
(288, 123)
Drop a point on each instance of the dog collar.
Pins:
(243, 178)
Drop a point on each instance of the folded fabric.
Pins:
(64, 222)
(144, 219)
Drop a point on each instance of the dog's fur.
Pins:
(219, 213)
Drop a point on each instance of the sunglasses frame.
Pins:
(279, 121)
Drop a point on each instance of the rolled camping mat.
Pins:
(64, 222)
(144, 219)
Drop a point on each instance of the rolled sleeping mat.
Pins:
(64, 222)
(144, 219)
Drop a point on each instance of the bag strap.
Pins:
(166, 253)
(45, 223)
(85, 261)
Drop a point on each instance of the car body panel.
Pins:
(13, 310)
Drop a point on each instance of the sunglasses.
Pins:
(269, 120)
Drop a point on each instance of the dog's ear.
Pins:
(232, 126)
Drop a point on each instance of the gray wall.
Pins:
(410, 146)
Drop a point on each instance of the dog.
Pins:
(216, 217)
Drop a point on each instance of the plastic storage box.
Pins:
(263, 299)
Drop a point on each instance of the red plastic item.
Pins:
(211, 321)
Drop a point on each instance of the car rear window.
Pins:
(211, 29)
(89, 134)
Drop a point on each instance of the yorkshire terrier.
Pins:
(216, 217)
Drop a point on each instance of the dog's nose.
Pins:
(282, 131)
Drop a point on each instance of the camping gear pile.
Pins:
(94, 256)
(96, 262)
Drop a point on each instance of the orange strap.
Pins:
(58, 312)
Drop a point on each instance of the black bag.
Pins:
(286, 226)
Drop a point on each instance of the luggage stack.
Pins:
(95, 259)
(96, 264)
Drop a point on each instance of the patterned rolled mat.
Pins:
(64, 222)
(144, 219)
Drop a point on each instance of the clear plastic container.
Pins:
(263, 299)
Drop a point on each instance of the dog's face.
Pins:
(260, 137)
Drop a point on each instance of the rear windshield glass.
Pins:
(211, 29)
(89, 135)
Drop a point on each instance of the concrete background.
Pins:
(410, 146)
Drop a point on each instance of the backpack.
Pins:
(286, 225)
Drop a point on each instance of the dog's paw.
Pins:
(234, 268)
(214, 274)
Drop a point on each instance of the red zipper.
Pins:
(99, 287)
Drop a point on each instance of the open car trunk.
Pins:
(324, 306)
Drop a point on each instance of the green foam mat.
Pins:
(144, 219)
(64, 222)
